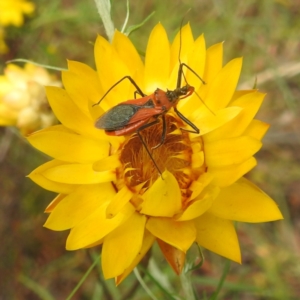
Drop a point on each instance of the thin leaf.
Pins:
(126, 18)
(198, 265)
(84, 277)
(36, 64)
(221, 281)
(132, 28)
(167, 295)
(143, 284)
(187, 286)
(37, 289)
(255, 83)
(104, 8)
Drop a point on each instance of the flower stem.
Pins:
(143, 284)
(222, 280)
(83, 278)
(185, 278)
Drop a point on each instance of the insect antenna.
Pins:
(204, 103)
(180, 37)
(181, 73)
(178, 85)
(196, 92)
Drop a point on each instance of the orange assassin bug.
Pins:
(138, 114)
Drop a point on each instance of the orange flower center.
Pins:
(175, 155)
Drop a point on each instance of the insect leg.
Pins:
(138, 93)
(187, 121)
(144, 144)
(138, 90)
(163, 135)
(180, 73)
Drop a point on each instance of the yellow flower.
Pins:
(110, 192)
(3, 46)
(23, 101)
(11, 11)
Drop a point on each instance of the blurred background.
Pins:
(34, 263)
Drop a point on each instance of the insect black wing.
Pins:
(117, 117)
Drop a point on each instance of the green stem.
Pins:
(83, 278)
(36, 64)
(41, 292)
(126, 18)
(222, 280)
(143, 284)
(185, 278)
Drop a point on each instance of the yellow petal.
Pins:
(148, 241)
(69, 147)
(82, 69)
(250, 103)
(118, 202)
(181, 235)
(122, 246)
(201, 204)
(230, 151)
(96, 111)
(182, 45)
(198, 185)
(208, 123)
(214, 62)
(221, 89)
(89, 74)
(107, 163)
(97, 243)
(111, 68)
(157, 60)
(96, 226)
(174, 256)
(58, 187)
(78, 174)
(69, 114)
(163, 198)
(54, 203)
(218, 235)
(227, 175)
(128, 53)
(82, 89)
(240, 93)
(245, 202)
(78, 205)
(197, 62)
(197, 159)
(257, 129)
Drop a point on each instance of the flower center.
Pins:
(174, 155)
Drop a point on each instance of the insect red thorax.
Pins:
(134, 116)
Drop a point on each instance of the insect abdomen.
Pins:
(117, 117)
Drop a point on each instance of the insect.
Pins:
(138, 114)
